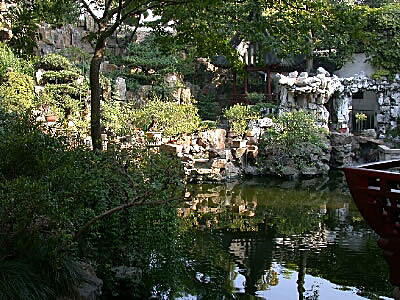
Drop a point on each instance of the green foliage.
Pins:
(239, 116)
(293, 28)
(78, 57)
(207, 125)
(148, 55)
(63, 76)
(207, 105)
(115, 117)
(293, 128)
(17, 92)
(292, 139)
(168, 117)
(54, 62)
(64, 94)
(255, 98)
(383, 39)
(8, 60)
(382, 74)
(147, 64)
(48, 192)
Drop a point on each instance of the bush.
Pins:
(382, 38)
(115, 117)
(48, 192)
(54, 62)
(17, 92)
(239, 116)
(207, 105)
(66, 97)
(293, 128)
(292, 140)
(79, 57)
(168, 117)
(63, 76)
(8, 60)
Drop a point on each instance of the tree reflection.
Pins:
(231, 238)
(259, 224)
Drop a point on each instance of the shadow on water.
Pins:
(274, 239)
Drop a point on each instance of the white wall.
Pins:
(356, 66)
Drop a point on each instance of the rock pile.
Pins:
(308, 93)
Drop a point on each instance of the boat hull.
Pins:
(375, 189)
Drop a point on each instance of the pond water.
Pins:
(276, 240)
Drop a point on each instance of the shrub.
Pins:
(115, 117)
(54, 62)
(66, 97)
(17, 92)
(9, 60)
(255, 97)
(48, 192)
(63, 76)
(293, 139)
(79, 57)
(381, 40)
(207, 105)
(293, 128)
(239, 116)
(168, 117)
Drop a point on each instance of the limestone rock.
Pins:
(120, 87)
(215, 138)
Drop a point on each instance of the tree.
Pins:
(285, 28)
(382, 39)
(301, 27)
(109, 15)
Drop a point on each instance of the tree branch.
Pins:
(136, 202)
(107, 7)
(90, 11)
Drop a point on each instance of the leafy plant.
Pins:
(255, 97)
(382, 74)
(168, 117)
(239, 116)
(17, 92)
(207, 106)
(63, 76)
(115, 115)
(9, 61)
(60, 205)
(382, 39)
(293, 140)
(54, 62)
(78, 57)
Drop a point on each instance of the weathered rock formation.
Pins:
(388, 95)
(308, 93)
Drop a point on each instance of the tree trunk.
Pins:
(310, 60)
(95, 93)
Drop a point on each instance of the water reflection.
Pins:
(267, 239)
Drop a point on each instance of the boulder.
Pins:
(215, 138)
(90, 287)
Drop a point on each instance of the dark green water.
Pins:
(268, 239)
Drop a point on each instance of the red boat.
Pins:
(375, 188)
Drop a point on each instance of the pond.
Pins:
(276, 240)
